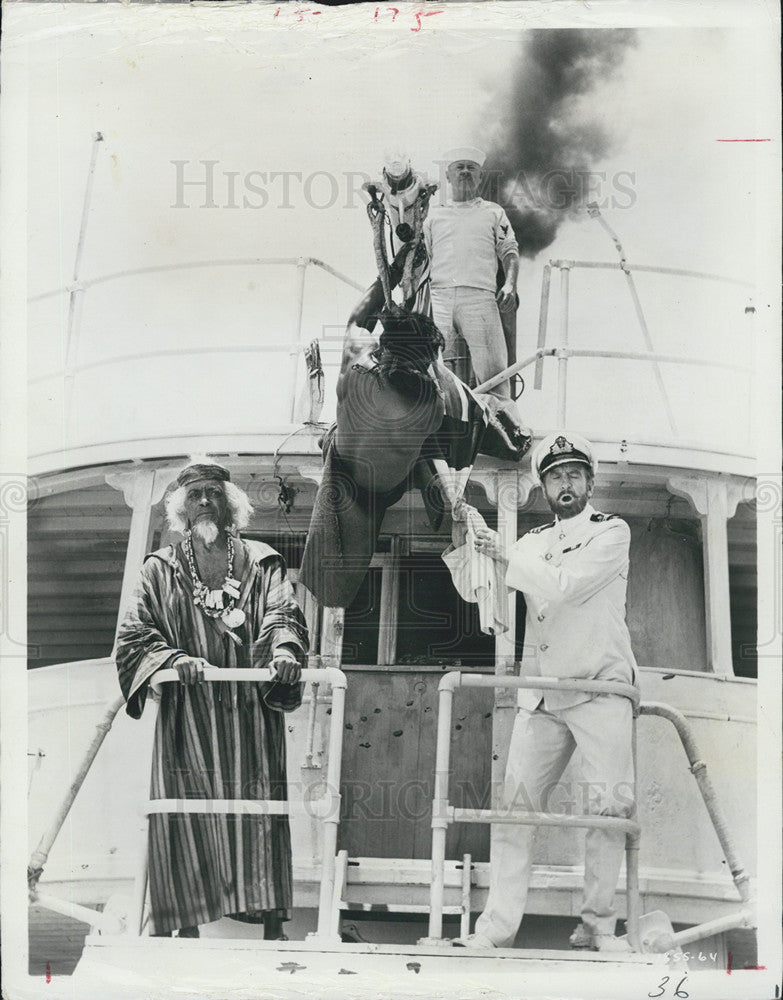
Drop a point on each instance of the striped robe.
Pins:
(224, 740)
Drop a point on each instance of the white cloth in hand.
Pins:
(478, 578)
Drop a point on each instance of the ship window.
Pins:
(434, 625)
(77, 542)
(407, 611)
(743, 590)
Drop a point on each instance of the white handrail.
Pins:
(444, 814)
(327, 809)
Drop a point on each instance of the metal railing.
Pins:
(326, 808)
(563, 353)
(444, 814)
(79, 287)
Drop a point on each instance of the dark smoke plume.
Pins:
(538, 167)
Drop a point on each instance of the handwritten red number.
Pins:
(48, 973)
(423, 13)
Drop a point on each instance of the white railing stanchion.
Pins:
(633, 907)
(332, 799)
(562, 353)
(327, 808)
(543, 320)
(136, 917)
(440, 805)
(443, 814)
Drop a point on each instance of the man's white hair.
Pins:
(239, 505)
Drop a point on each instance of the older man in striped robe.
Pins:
(217, 600)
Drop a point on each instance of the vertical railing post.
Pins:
(562, 347)
(332, 627)
(633, 905)
(301, 266)
(332, 819)
(76, 295)
(512, 488)
(440, 805)
(136, 921)
(543, 321)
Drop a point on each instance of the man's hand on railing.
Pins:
(190, 669)
(285, 665)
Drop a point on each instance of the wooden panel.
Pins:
(389, 763)
(665, 603)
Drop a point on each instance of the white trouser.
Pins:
(541, 745)
(469, 316)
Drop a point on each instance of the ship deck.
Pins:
(163, 968)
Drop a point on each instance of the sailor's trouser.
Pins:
(469, 316)
(541, 745)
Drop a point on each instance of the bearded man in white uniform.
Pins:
(573, 573)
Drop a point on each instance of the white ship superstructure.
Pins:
(673, 434)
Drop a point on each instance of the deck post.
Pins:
(76, 295)
(332, 628)
(511, 490)
(301, 268)
(562, 352)
(715, 500)
(633, 906)
(142, 489)
(440, 804)
(505, 700)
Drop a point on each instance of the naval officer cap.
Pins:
(560, 447)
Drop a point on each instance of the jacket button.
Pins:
(548, 556)
(540, 618)
(543, 647)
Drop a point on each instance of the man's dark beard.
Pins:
(576, 506)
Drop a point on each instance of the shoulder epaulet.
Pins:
(602, 517)
(543, 527)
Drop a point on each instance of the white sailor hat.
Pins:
(560, 447)
(464, 153)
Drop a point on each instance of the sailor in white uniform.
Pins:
(573, 573)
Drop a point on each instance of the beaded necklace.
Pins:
(212, 603)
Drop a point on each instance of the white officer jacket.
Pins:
(573, 574)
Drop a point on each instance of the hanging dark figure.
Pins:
(403, 420)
